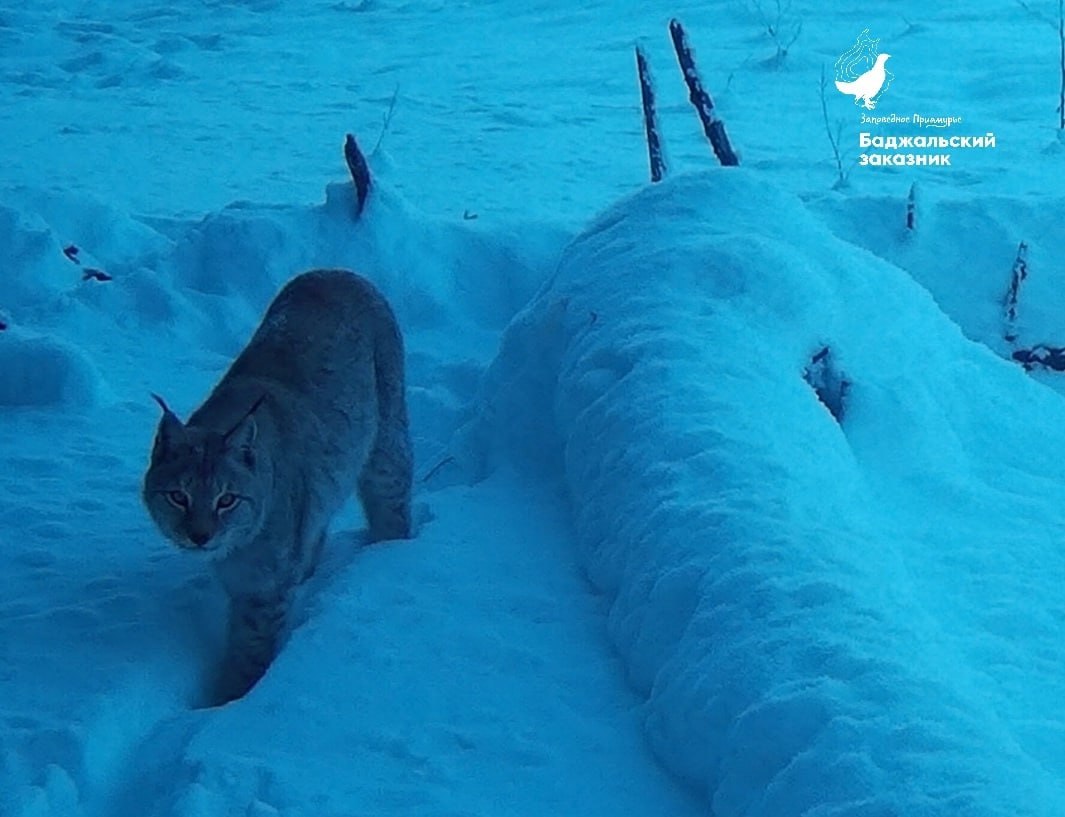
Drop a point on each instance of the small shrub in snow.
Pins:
(835, 138)
(780, 25)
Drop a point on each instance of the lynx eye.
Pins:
(226, 501)
(179, 499)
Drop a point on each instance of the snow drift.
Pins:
(824, 619)
(462, 672)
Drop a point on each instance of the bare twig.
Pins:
(387, 119)
(781, 26)
(834, 139)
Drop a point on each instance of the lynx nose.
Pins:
(199, 538)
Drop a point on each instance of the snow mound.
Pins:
(42, 371)
(825, 619)
(453, 287)
(31, 262)
(963, 251)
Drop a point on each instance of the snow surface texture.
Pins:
(791, 617)
(515, 110)
(825, 620)
(464, 673)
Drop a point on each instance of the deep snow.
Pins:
(442, 686)
(855, 620)
(652, 573)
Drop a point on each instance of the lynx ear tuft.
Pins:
(170, 431)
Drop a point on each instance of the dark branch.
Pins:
(360, 172)
(650, 122)
(713, 127)
(1017, 276)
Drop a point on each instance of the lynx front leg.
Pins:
(255, 623)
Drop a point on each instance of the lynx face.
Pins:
(203, 488)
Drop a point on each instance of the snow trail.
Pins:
(141, 780)
(463, 672)
(466, 671)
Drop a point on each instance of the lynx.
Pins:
(312, 408)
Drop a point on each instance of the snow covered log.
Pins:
(650, 121)
(360, 171)
(713, 127)
(809, 617)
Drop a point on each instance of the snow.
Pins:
(814, 613)
(652, 572)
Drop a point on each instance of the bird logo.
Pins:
(860, 72)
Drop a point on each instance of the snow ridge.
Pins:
(809, 609)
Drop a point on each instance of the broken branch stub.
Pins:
(360, 172)
(650, 120)
(713, 127)
(1017, 276)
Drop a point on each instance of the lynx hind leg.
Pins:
(385, 484)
